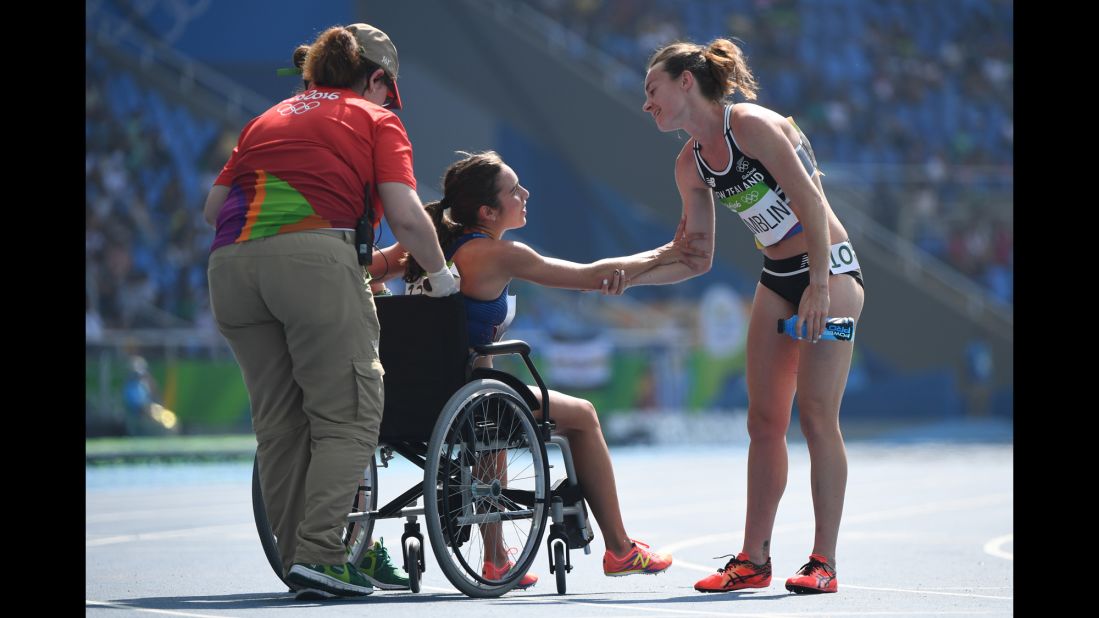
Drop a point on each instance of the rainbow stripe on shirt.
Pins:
(263, 205)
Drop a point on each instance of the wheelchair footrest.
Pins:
(570, 494)
(577, 526)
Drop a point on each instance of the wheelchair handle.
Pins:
(511, 346)
(522, 348)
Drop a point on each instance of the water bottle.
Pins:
(835, 329)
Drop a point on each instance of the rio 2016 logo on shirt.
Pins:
(309, 95)
(742, 165)
(297, 108)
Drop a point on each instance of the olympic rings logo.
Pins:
(297, 108)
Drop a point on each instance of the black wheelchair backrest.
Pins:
(424, 349)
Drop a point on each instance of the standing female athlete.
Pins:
(762, 168)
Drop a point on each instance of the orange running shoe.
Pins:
(638, 560)
(737, 573)
(491, 571)
(814, 577)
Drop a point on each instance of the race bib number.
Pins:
(417, 286)
(842, 258)
(763, 212)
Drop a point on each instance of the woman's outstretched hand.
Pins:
(682, 248)
(615, 284)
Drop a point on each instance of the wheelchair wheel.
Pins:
(263, 526)
(412, 554)
(485, 488)
(559, 566)
(356, 535)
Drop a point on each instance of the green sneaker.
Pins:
(339, 579)
(375, 565)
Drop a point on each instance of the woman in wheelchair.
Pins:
(482, 201)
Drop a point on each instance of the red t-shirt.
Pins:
(305, 163)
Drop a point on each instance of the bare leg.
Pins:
(491, 467)
(577, 420)
(771, 376)
(822, 378)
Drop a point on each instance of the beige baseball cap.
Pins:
(376, 47)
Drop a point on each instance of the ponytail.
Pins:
(720, 68)
(301, 52)
(445, 229)
(468, 184)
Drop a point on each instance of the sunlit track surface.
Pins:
(927, 531)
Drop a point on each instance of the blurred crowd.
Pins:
(918, 95)
(915, 97)
(146, 163)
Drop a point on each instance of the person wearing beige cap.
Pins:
(374, 46)
(289, 294)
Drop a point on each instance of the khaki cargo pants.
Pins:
(298, 314)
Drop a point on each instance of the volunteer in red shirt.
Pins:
(288, 293)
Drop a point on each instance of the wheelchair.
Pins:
(473, 431)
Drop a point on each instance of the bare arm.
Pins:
(609, 275)
(411, 225)
(697, 223)
(215, 199)
(386, 263)
(522, 262)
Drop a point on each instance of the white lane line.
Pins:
(872, 516)
(156, 536)
(721, 537)
(694, 567)
(438, 589)
(930, 507)
(995, 547)
(151, 611)
(972, 588)
(815, 614)
(663, 513)
(648, 512)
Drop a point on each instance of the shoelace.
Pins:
(732, 561)
(382, 554)
(643, 556)
(809, 567)
(511, 551)
(638, 545)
